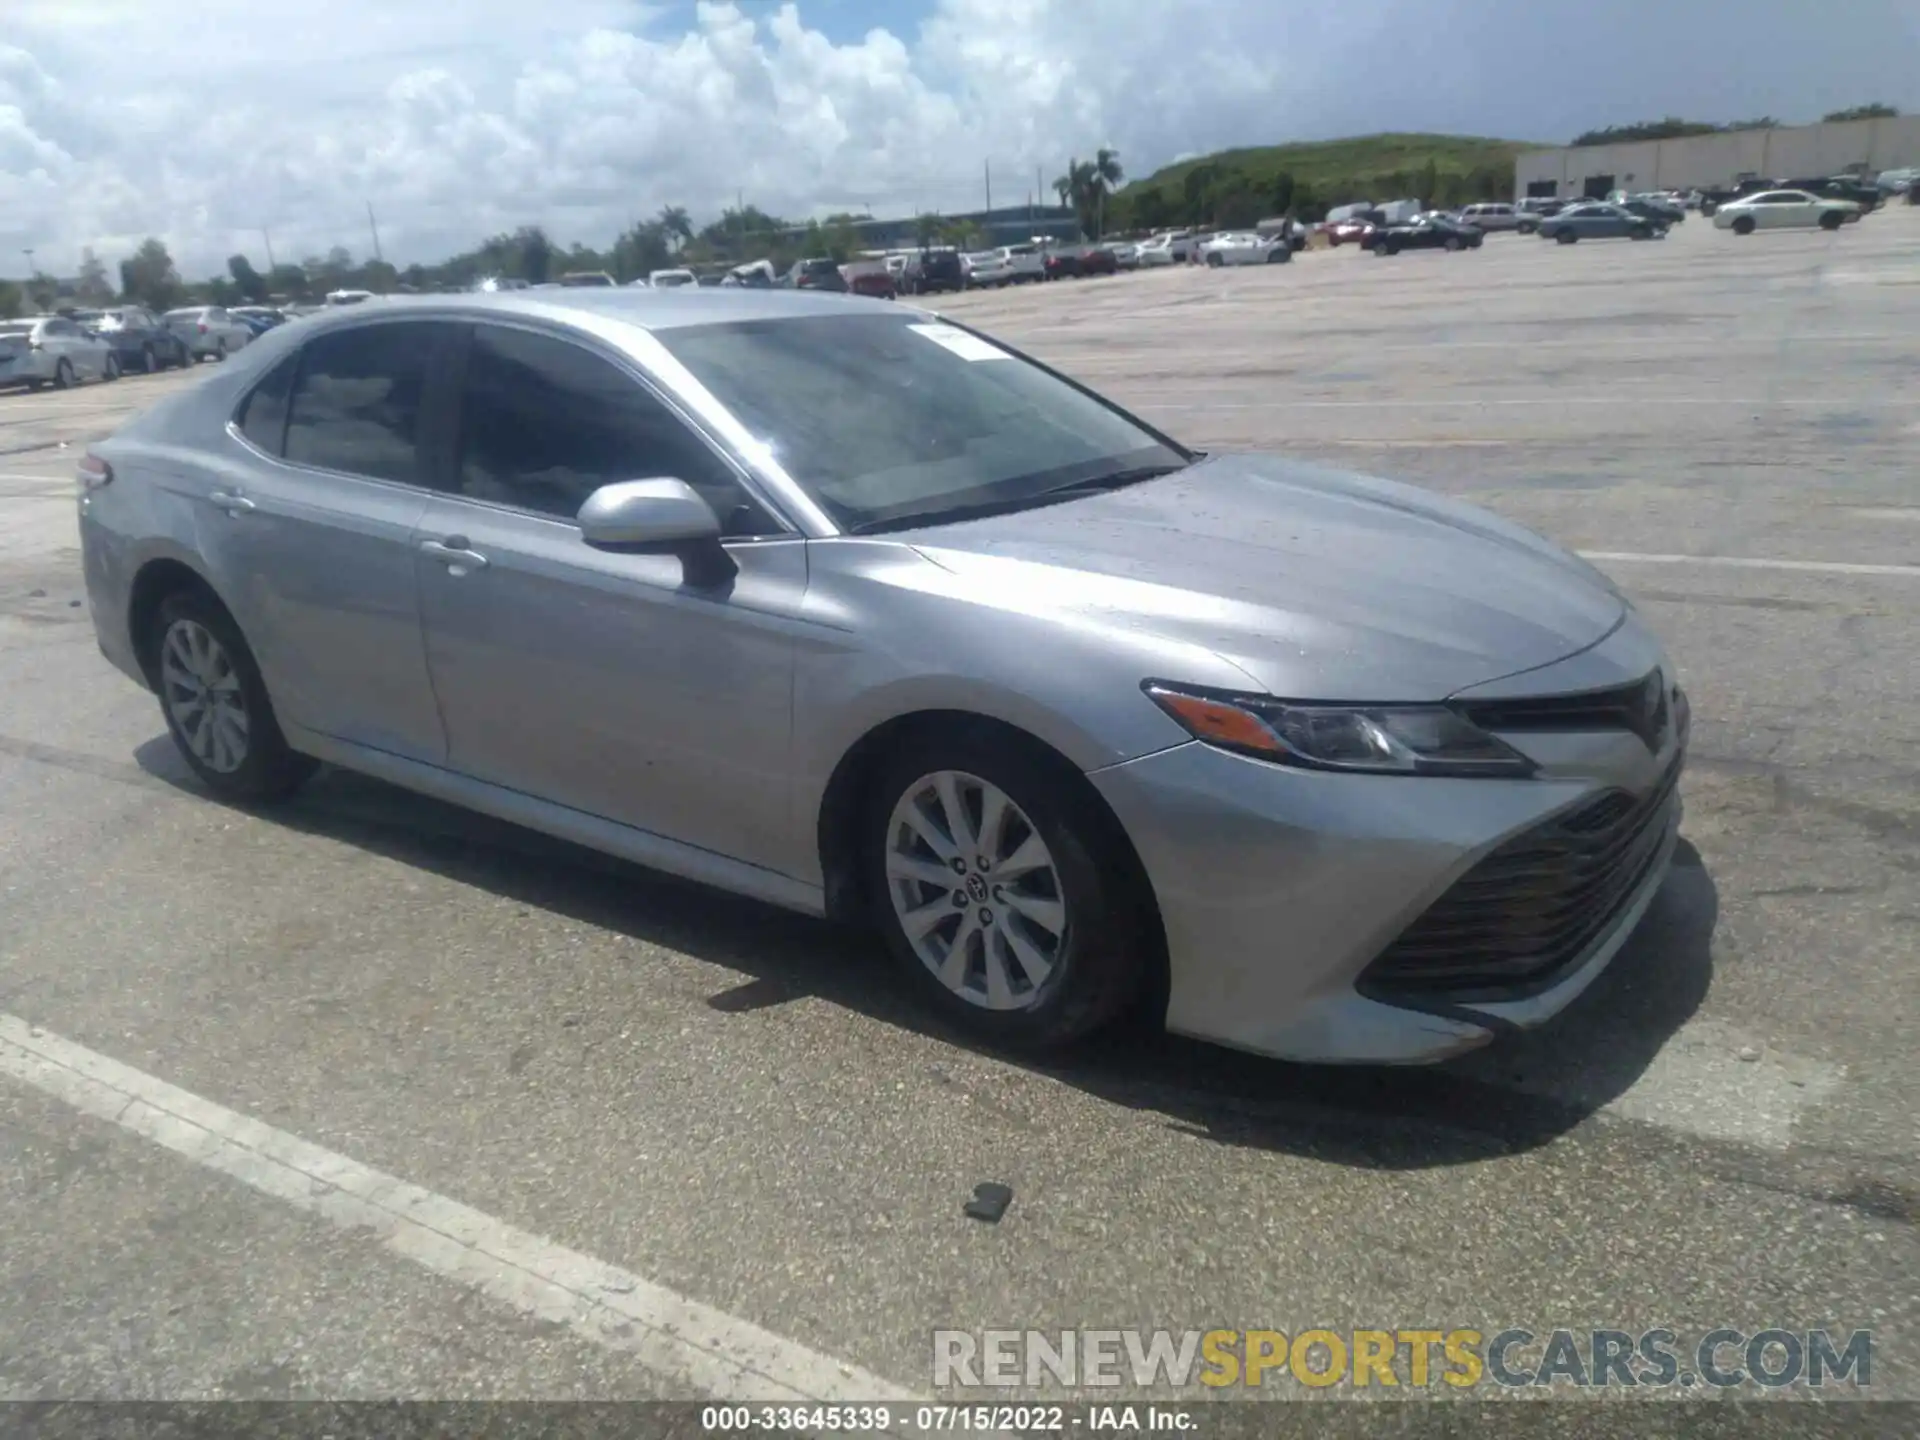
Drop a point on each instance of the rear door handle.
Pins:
(453, 550)
(234, 504)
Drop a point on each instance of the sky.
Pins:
(220, 124)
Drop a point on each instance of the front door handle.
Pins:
(453, 550)
(234, 504)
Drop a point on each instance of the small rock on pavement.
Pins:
(989, 1202)
(1748, 1052)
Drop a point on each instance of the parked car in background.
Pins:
(1491, 215)
(349, 297)
(1597, 221)
(1154, 252)
(1025, 263)
(1352, 229)
(53, 350)
(1073, 262)
(986, 269)
(672, 278)
(817, 273)
(210, 331)
(1896, 182)
(1648, 208)
(258, 318)
(1243, 247)
(869, 278)
(1431, 231)
(589, 280)
(1783, 210)
(1126, 254)
(933, 272)
(1528, 213)
(140, 341)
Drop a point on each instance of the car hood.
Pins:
(1316, 583)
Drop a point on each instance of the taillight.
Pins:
(203, 327)
(94, 473)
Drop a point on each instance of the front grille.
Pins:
(1532, 907)
(1640, 708)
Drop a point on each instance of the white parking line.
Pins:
(1737, 562)
(1168, 399)
(693, 1345)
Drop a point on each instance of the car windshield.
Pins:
(889, 421)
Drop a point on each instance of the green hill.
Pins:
(1238, 187)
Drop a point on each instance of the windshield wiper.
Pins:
(1101, 484)
(1072, 490)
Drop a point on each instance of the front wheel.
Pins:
(1743, 225)
(63, 376)
(215, 703)
(1215, 262)
(1565, 237)
(1007, 896)
(1453, 242)
(220, 349)
(149, 362)
(1831, 220)
(1279, 256)
(111, 370)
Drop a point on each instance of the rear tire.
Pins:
(111, 370)
(1452, 242)
(149, 362)
(1079, 878)
(230, 739)
(63, 376)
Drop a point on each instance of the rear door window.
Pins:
(262, 417)
(356, 406)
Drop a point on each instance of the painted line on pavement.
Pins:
(701, 1348)
(1736, 562)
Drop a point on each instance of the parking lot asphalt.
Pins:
(740, 1107)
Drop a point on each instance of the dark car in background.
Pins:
(932, 271)
(140, 342)
(258, 318)
(1070, 262)
(1426, 232)
(1652, 210)
(870, 278)
(815, 274)
(1594, 221)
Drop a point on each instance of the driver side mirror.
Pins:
(658, 516)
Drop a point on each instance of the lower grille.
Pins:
(1532, 907)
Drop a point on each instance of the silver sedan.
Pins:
(841, 606)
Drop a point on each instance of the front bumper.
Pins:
(1279, 888)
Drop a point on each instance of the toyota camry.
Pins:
(855, 610)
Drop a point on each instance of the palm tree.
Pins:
(675, 225)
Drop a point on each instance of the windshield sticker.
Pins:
(967, 347)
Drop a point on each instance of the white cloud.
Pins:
(206, 122)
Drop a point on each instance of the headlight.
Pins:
(1376, 739)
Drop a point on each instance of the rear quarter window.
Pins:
(262, 416)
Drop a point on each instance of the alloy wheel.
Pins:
(201, 690)
(976, 890)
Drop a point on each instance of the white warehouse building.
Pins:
(1699, 162)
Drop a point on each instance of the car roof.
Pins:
(643, 308)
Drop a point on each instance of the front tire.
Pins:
(1006, 896)
(1452, 242)
(111, 370)
(215, 703)
(1565, 237)
(1831, 220)
(149, 362)
(1743, 225)
(63, 376)
(1214, 262)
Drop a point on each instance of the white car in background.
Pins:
(671, 279)
(986, 269)
(1244, 247)
(1784, 210)
(211, 332)
(1025, 263)
(53, 350)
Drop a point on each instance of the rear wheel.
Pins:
(215, 703)
(111, 370)
(220, 348)
(1743, 225)
(1214, 260)
(149, 362)
(1452, 242)
(1006, 896)
(63, 376)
